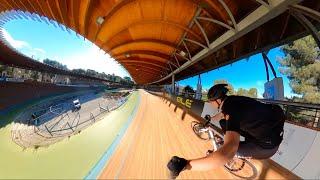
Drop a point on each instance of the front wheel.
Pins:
(236, 164)
(242, 168)
(199, 130)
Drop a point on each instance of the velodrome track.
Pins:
(158, 132)
(71, 158)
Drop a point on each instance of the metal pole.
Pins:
(173, 85)
(316, 119)
(265, 57)
(266, 66)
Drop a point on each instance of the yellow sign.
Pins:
(187, 103)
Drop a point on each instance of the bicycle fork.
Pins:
(211, 138)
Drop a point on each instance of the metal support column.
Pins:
(199, 89)
(173, 85)
(266, 62)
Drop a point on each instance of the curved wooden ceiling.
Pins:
(145, 36)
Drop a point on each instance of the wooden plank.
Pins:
(6, 5)
(37, 7)
(53, 11)
(158, 132)
(118, 5)
(62, 9)
(157, 41)
(85, 11)
(45, 8)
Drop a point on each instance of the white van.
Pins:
(76, 104)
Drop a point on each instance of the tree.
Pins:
(301, 65)
(3, 68)
(35, 75)
(127, 78)
(252, 92)
(55, 64)
(230, 87)
(188, 91)
(79, 71)
(92, 73)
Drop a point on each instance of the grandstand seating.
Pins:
(13, 93)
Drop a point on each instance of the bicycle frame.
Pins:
(211, 134)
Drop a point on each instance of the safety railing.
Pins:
(301, 114)
(67, 125)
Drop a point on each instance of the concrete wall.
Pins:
(300, 151)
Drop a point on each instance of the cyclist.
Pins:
(260, 124)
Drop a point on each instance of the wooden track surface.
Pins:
(157, 133)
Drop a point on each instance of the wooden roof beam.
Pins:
(75, 7)
(136, 69)
(212, 6)
(142, 66)
(144, 62)
(157, 41)
(37, 7)
(16, 5)
(118, 5)
(8, 5)
(155, 21)
(164, 57)
(53, 15)
(2, 7)
(85, 16)
(27, 6)
(249, 23)
(227, 9)
(62, 9)
(45, 7)
(137, 57)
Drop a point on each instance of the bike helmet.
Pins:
(217, 91)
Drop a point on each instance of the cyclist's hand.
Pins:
(176, 165)
(207, 117)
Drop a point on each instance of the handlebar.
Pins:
(208, 119)
(208, 123)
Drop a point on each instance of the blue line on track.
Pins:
(96, 170)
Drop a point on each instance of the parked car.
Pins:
(76, 104)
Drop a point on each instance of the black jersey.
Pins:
(256, 121)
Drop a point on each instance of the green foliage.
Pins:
(188, 89)
(3, 67)
(55, 64)
(79, 71)
(127, 78)
(230, 87)
(34, 75)
(252, 92)
(301, 65)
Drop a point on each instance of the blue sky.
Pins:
(244, 74)
(40, 40)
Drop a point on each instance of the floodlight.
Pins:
(100, 20)
(182, 53)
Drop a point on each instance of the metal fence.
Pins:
(54, 123)
(302, 114)
(65, 124)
